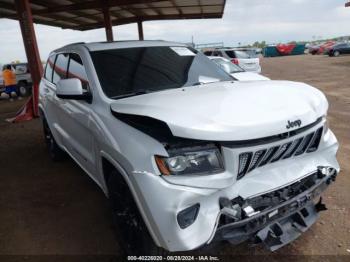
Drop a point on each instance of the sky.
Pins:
(275, 21)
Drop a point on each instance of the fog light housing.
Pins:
(186, 217)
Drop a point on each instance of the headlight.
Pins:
(191, 162)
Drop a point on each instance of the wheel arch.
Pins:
(108, 164)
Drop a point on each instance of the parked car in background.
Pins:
(236, 71)
(320, 48)
(23, 77)
(246, 59)
(339, 49)
(186, 156)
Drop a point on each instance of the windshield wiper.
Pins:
(137, 93)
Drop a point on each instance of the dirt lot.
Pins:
(50, 208)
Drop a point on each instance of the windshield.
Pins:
(139, 70)
(228, 66)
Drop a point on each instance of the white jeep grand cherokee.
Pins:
(186, 154)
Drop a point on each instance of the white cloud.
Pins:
(244, 21)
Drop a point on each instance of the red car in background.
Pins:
(321, 48)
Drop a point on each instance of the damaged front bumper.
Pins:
(275, 218)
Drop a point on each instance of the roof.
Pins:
(86, 15)
(96, 46)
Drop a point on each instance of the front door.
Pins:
(74, 119)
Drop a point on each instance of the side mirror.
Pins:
(72, 89)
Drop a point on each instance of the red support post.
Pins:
(140, 29)
(107, 21)
(25, 18)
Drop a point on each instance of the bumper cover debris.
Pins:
(292, 213)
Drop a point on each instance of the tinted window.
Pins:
(60, 69)
(49, 68)
(208, 53)
(241, 54)
(230, 53)
(76, 70)
(251, 53)
(150, 69)
(341, 45)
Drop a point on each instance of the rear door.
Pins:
(54, 103)
(47, 93)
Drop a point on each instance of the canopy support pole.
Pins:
(140, 29)
(25, 18)
(107, 21)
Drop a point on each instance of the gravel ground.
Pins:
(51, 208)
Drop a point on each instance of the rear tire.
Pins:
(22, 89)
(130, 230)
(336, 53)
(56, 153)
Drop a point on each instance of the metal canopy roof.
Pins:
(86, 15)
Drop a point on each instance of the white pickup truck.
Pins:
(187, 155)
(23, 78)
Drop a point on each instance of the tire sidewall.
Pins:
(134, 240)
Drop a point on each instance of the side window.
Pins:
(49, 68)
(60, 69)
(77, 70)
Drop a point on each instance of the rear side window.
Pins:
(76, 69)
(60, 69)
(49, 68)
(230, 53)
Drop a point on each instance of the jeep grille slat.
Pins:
(315, 141)
(258, 156)
(244, 162)
(304, 144)
(248, 161)
(292, 148)
(270, 153)
(280, 152)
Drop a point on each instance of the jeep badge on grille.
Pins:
(291, 124)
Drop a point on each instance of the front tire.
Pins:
(56, 153)
(130, 230)
(336, 53)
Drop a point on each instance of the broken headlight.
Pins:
(191, 162)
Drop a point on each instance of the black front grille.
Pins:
(249, 161)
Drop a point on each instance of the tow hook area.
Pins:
(280, 233)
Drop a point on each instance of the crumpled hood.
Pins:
(230, 111)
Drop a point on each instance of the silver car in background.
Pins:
(247, 59)
(236, 71)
